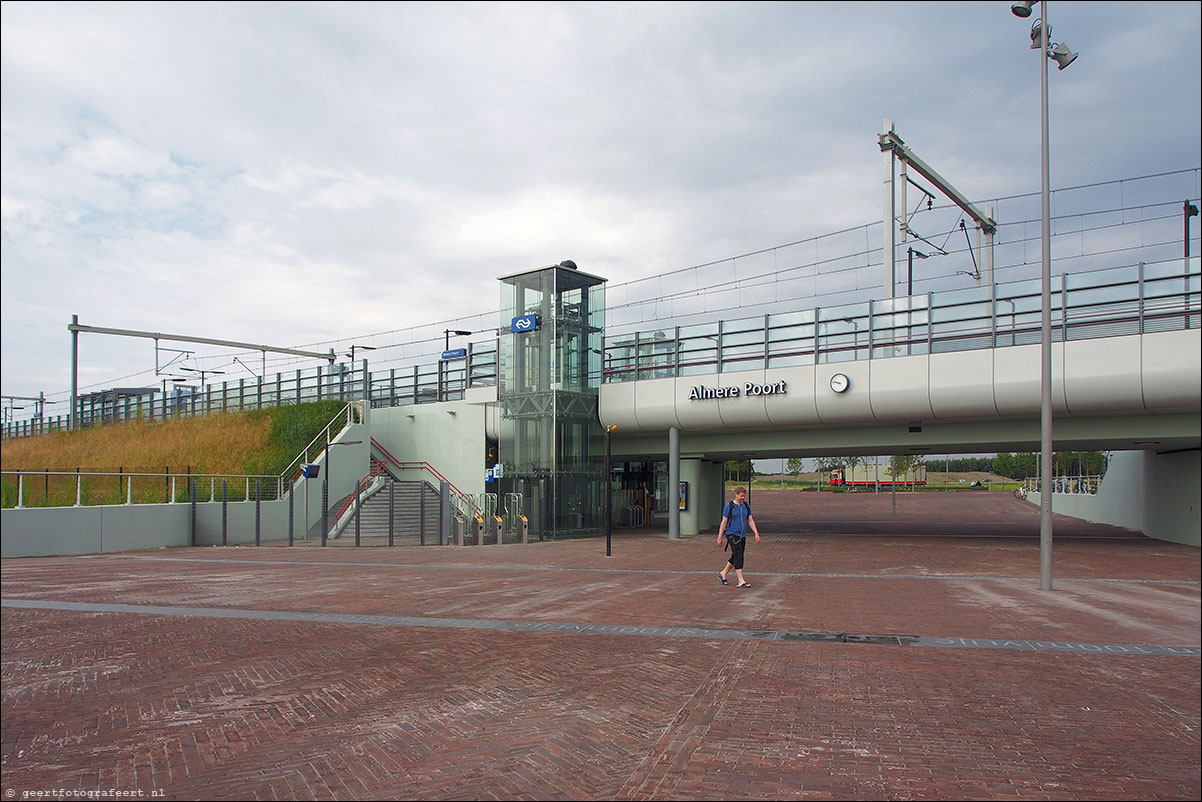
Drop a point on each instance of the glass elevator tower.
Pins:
(551, 446)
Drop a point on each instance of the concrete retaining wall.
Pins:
(1157, 494)
(45, 531)
(48, 531)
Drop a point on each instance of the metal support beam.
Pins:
(889, 247)
(155, 335)
(894, 148)
(890, 141)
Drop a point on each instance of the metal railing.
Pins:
(446, 380)
(351, 413)
(463, 503)
(1082, 485)
(80, 488)
(21, 488)
(1134, 299)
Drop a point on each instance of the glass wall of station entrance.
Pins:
(551, 447)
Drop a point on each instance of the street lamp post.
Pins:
(1041, 34)
(355, 347)
(325, 487)
(1188, 210)
(609, 493)
(447, 336)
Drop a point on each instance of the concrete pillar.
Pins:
(715, 496)
(673, 483)
(690, 519)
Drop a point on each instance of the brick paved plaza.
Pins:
(550, 671)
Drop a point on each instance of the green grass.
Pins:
(256, 442)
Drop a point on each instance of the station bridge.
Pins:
(946, 372)
(951, 371)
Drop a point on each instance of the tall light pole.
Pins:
(447, 336)
(1041, 34)
(1188, 210)
(609, 493)
(355, 347)
(325, 486)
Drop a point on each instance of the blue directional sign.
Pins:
(525, 323)
(455, 353)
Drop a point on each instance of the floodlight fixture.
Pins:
(1062, 55)
(1037, 34)
(1023, 8)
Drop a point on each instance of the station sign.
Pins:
(455, 353)
(703, 393)
(520, 325)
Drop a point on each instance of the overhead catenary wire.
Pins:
(422, 345)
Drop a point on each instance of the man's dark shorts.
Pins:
(737, 545)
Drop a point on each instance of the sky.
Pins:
(318, 175)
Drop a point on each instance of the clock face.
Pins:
(840, 382)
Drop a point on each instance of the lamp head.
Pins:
(1038, 31)
(1062, 55)
(1022, 9)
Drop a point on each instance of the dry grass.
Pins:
(211, 444)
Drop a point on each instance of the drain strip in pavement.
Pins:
(614, 629)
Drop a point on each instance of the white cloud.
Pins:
(303, 173)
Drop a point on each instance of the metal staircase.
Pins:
(411, 508)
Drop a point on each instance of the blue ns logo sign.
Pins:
(525, 323)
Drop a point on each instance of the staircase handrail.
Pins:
(362, 485)
(456, 493)
(324, 435)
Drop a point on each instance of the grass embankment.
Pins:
(260, 442)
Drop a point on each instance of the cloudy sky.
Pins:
(320, 174)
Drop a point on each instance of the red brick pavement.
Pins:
(207, 708)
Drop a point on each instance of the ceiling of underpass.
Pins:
(1160, 433)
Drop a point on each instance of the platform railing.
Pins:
(1135, 299)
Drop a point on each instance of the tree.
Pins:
(826, 465)
(903, 464)
(794, 466)
(739, 470)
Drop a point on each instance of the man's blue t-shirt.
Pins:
(736, 515)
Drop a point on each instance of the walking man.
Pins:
(736, 518)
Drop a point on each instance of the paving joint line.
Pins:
(1010, 644)
(695, 572)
